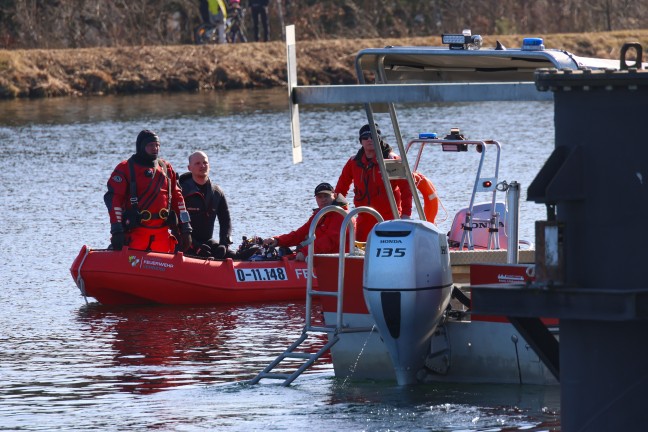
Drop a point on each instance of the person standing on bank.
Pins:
(327, 233)
(369, 190)
(144, 201)
(205, 202)
(259, 9)
(214, 12)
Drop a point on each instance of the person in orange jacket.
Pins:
(368, 187)
(327, 233)
(144, 201)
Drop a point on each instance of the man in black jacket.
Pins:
(259, 9)
(205, 202)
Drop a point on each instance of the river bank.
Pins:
(146, 69)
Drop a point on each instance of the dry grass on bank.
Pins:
(97, 71)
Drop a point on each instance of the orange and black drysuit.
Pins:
(369, 190)
(143, 210)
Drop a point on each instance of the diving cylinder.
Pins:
(407, 283)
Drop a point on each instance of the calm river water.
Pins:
(65, 365)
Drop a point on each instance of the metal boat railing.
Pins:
(309, 329)
(481, 184)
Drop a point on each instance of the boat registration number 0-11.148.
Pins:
(261, 274)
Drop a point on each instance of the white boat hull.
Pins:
(463, 351)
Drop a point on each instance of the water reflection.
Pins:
(213, 104)
(160, 347)
(443, 406)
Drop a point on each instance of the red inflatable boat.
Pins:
(137, 277)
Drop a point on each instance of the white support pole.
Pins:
(291, 56)
(513, 222)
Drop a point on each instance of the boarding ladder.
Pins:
(298, 351)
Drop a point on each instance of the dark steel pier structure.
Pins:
(591, 255)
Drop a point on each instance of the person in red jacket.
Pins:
(368, 187)
(327, 233)
(144, 201)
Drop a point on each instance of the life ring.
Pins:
(430, 198)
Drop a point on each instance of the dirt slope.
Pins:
(98, 71)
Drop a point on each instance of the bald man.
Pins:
(205, 202)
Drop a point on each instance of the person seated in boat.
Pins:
(369, 190)
(144, 201)
(327, 233)
(205, 202)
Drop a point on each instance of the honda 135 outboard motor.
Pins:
(407, 285)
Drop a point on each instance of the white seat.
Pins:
(480, 220)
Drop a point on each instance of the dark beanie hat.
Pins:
(145, 137)
(366, 130)
(323, 187)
